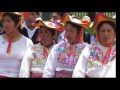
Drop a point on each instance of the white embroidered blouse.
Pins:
(60, 63)
(34, 61)
(91, 63)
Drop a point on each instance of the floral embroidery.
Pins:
(39, 59)
(65, 59)
(96, 57)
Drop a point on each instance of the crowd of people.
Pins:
(58, 48)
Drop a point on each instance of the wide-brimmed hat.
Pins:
(100, 18)
(85, 22)
(15, 13)
(20, 18)
(39, 22)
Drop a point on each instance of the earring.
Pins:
(1, 30)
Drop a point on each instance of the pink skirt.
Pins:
(36, 75)
(63, 74)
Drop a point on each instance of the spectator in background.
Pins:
(29, 30)
(60, 35)
(89, 36)
(86, 33)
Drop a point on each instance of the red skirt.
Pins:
(63, 74)
(4, 76)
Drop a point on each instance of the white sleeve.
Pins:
(51, 63)
(25, 67)
(26, 62)
(81, 65)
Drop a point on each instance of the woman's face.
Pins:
(55, 16)
(46, 36)
(8, 25)
(71, 34)
(31, 18)
(106, 34)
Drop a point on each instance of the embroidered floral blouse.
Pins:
(91, 62)
(61, 62)
(35, 61)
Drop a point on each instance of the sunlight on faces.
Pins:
(106, 34)
(8, 25)
(71, 34)
(46, 36)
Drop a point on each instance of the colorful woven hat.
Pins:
(39, 22)
(21, 20)
(99, 18)
(85, 22)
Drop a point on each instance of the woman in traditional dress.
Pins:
(13, 45)
(99, 59)
(63, 56)
(33, 66)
